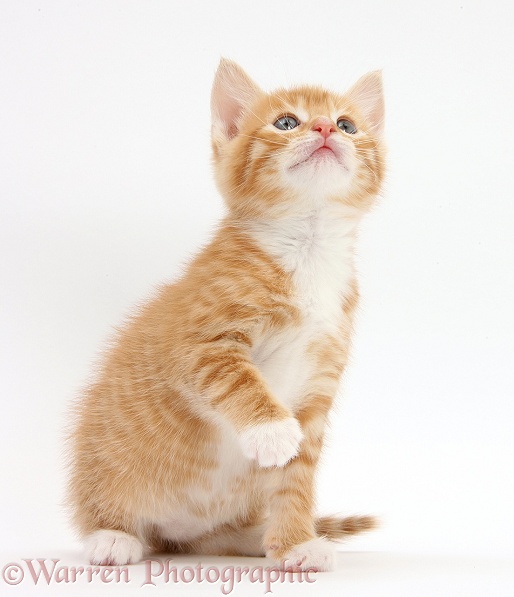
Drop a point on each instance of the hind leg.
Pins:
(113, 548)
(232, 540)
(111, 538)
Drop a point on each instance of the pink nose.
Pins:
(324, 126)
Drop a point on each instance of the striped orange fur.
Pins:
(203, 427)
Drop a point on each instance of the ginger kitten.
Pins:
(203, 428)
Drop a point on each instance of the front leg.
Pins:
(232, 387)
(291, 537)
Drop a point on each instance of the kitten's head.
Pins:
(292, 149)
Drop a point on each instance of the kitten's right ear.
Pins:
(232, 94)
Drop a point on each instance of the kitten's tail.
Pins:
(334, 527)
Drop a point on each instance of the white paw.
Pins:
(113, 548)
(317, 554)
(272, 444)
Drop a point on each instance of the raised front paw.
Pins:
(317, 554)
(273, 443)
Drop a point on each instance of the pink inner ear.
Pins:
(226, 109)
(230, 113)
(232, 93)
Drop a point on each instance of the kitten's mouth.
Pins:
(323, 151)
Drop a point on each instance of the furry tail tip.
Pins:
(334, 527)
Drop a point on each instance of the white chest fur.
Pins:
(316, 249)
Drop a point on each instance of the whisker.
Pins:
(264, 140)
(370, 169)
(258, 117)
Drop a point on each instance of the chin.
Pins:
(320, 178)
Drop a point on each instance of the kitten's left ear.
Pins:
(232, 94)
(368, 95)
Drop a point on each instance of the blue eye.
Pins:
(286, 123)
(347, 126)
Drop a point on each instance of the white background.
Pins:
(106, 190)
